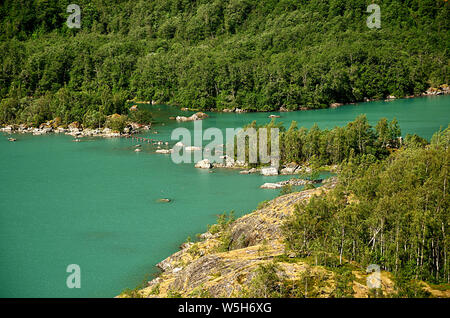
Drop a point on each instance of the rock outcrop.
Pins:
(270, 171)
(288, 170)
(254, 239)
(196, 116)
(292, 182)
(441, 90)
(269, 185)
(75, 129)
(204, 164)
(250, 171)
(228, 162)
(164, 151)
(206, 269)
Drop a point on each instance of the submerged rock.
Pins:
(271, 186)
(164, 151)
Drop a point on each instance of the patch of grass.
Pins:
(174, 294)
(223, 222)
(200, 292)
(407, 287)
(262, 205)
(265, 284)
(214, 229)
(222, 228)
(194, 250)
(263, 248)
(134, 293)
(308, 186)
(344, 282)
(131, 293)
(286, 189)
(441, 287)
(362, 280)
(155, 290)
(216, 275)
(309, 285)
(286, 259)
(225, 242)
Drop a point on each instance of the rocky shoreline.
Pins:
(75, 130)
(287, 169)
(256, 238)
(443, 89)
(290, 182)
(206, 268)
(230, 163)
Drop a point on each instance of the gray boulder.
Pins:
(270, 171)
(204, 164)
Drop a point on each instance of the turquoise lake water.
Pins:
(93, 203)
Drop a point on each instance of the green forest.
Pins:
(391, 212)
(320, 148)
(390, 206)
(213, 55)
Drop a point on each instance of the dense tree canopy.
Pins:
(214, 54)
(392, 212)
(332, 146)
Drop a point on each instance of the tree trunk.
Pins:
(342, 246)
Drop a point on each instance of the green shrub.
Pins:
(116, 122)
